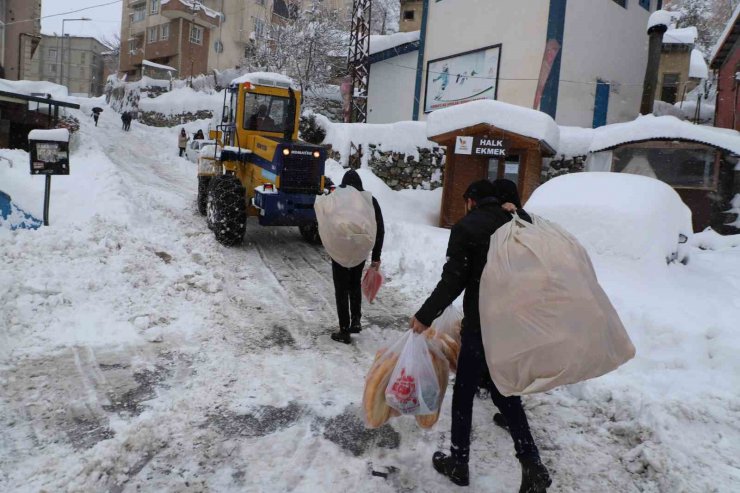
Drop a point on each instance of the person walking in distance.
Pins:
(96, 114)
(348, 281)
(182, 141)
(467, 253)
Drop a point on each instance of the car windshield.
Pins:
(264, 112)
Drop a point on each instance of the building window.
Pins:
(196, 35)
(408, 15)
(164, 32)
(83, 58)
(621, 3)
(645, 4)
(52, 55)
(138, 15)
(52, 68)
(680, 167)
(259, 27)
(669, 88)
(151, 35)
(155, 7)
(132, 46)
(261, 2)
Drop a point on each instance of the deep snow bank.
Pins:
(616, 214)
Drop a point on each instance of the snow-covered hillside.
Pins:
(136, 353)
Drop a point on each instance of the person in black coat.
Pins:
(467, 253)
(348, 281)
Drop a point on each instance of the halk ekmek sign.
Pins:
(480, 146)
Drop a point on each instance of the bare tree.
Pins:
(709, 17)
(385, 16)
(310, 47)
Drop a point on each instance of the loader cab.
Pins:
(263, 107)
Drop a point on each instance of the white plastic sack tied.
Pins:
(413, 387)
(347, 225)
(545, 320)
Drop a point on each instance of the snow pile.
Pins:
(196, 5)
(709, 239)
(380, 42)
(53, 135)
(575, 141)
(649, 127)
(266, 79)
(184, 100)
(684, 36)
(504, 116)
(402, 137)
(660, 18)
(616, 214)
(698, 68)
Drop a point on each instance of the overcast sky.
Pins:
(106, 20)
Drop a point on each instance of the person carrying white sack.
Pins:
(348, 280)
(467, 252)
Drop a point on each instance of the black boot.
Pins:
(535, 478)
(450, 467)
(500, 420)
(341, 336)
(355, 327)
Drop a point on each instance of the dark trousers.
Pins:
(96, 119)
(348, 292)
(471, 366)
(182, 151)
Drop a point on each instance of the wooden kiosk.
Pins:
(486, 151)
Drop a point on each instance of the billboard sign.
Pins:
(461, 78)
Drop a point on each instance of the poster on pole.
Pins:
(464, 77)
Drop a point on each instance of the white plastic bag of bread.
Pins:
(445, 331)
(419, 388)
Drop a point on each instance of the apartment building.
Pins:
(75, 62)
(172, 33)
(194, 37)
(20, 35)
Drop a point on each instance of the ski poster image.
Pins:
(461, 78)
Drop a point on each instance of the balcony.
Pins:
(191, 10)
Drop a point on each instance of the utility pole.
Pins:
(358, 60)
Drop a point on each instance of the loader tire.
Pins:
(226, 209)
(310, 233)
(203, 182)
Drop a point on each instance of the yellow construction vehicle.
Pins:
(258, 166)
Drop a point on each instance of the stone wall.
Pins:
(154, 119)
(401, 171)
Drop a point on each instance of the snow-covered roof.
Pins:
(649, 127)
(265, 79)
(725, 34)
(682, 36)
(660, 18)
(158, 66)
(511, 118)
(54, 135)
(195, 6)
(575, 141)
(29, 87)
(698, 68)
(380, 42)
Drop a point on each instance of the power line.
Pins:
(63, 13)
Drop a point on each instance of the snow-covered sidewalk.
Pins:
(138, 353)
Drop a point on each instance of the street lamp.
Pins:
(61, 68)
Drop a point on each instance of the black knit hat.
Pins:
(479, 190)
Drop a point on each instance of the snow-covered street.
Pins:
(138, 354)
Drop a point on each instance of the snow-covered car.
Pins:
(194, 146)
(618, 215)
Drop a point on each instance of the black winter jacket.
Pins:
(467, 253)
(351, 178)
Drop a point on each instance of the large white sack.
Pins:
(545, 320)
(347, 225)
